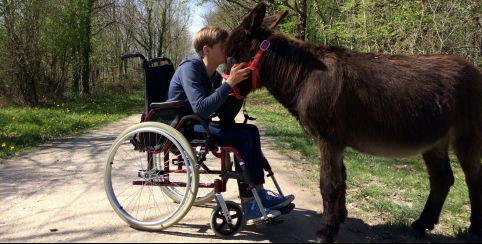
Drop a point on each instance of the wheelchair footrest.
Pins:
(287, 209)
(268, 221)
(196, 142)
(276, 220)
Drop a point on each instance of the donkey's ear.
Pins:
(254, 20)
(272, 21)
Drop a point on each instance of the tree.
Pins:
(162, 21)
(21, 20)
(85, 42)
(380, 26)
(234, 10)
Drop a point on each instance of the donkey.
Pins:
(386, 105)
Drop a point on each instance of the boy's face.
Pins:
(216, 54)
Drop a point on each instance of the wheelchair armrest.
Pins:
(168, 105)
(209, 141)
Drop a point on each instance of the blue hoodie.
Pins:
(191, 83)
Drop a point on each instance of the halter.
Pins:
(253, 66)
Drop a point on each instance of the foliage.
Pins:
(21, 128)
(411, 27)
(379, 26)
(50, 48)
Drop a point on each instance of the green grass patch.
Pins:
(22, 128)
(389, 190)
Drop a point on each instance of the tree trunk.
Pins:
(163, 27)
(480, 46)
(86, 68)
(87, 47)
(162, 31)
(76, 75)
(22, 24)
(303, 14)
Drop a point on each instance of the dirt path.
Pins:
(55, 194)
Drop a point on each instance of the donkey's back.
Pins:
(402, 105)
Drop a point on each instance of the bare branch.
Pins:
(239, 3)
(99, 8)
(104, 27)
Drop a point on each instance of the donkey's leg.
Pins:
(343, 212)
(467, 149)
(441, 179)
(332, 190)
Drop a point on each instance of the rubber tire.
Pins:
(184, 144)
(217, 214)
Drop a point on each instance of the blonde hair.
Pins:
(209, 36)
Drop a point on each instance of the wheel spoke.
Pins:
(222, 225)
(141, 205)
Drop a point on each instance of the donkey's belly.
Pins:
(390, 149)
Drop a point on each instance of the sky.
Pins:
(198, 11)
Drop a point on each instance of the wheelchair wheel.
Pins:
(221, 226)
(142, 161)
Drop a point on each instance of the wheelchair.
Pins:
(154, 174)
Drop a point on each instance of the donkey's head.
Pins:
(244, 42)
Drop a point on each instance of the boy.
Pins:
(197, 81)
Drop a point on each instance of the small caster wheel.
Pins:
(220, 225)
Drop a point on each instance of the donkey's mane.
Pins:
(289, 63)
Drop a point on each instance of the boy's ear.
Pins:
(205, 50)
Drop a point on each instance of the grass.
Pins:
(378, 190)
(23, 128)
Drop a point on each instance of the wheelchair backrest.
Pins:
(158, 75)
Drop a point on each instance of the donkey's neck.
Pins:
(285, 66)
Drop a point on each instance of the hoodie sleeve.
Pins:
(202, 102)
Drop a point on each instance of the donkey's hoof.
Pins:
(420, 226)
(324, 237)
(418, 229)
(474, 238)
(418, 233)
(324, 240)
(474, 235)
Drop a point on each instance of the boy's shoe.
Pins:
(253, 214)
(274, 201)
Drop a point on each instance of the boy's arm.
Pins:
(202, 103)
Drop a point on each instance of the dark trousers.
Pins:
(245, 139)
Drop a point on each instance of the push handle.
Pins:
(133, 55)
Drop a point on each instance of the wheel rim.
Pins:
(145, 205)
(221, 226)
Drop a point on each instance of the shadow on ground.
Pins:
(300, 226)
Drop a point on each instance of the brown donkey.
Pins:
(388, 105)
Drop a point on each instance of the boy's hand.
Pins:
(238, 74)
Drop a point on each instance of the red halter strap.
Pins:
(253, 66)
